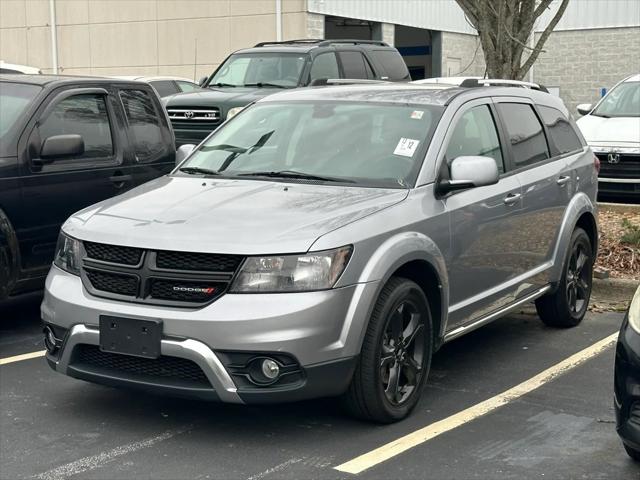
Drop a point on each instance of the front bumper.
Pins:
(627, 386)
(320, 331)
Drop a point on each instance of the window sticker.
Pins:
(417, 114)
(406, 147)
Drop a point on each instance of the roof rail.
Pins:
(352, 41)
(300, 41)
(486, 82)
(321, 82)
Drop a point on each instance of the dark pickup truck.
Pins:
(253, 73)
(67, 143)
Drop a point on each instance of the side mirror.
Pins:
(183, 152)
(58, 146)
(469, 172)
(202, 81)
(584, 108)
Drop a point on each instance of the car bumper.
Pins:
(626, 187)
(319, 332)
(627, 386)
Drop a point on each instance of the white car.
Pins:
(612, 129)
(165, 86)
(15, 68)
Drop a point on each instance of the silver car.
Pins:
(327, 242)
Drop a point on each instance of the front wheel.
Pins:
(567, 306)
(395, 357)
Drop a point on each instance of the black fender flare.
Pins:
(9, 256)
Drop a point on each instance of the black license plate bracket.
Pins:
(130, 336)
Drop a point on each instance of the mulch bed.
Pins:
(621, 259)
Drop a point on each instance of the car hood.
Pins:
(227, 215)
(227, 97)
(615, 131)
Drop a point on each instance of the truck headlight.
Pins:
(292, 273)
(233, 112)
(634, 312)
(67, 255)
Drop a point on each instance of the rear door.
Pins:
(547, 185)
(52, 191)
(485, 231)
(151, 144)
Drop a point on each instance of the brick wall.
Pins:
(581, 62)
(459, 53)
(315, 25)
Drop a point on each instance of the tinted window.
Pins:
(392, 63)
(528, 143)
(84, 115)
(324, 66)
(560, 130)
(355, 65)
(14, 99)
(164, 87)
(475, 134)
(187, 86)
(143, 124)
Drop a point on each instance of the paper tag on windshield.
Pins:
(417, 114)
(406, 147)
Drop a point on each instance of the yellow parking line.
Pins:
(24, 356)
(402, 444)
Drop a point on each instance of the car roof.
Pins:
(154, 78)
(633, 78)
(407, 93)
(45, 80)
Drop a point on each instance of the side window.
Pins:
(393, 64)
(144, 128)
(164, 87)
(475, 134)
(560, 130)
(528, 143)
(84, 115)
(355, 65)
(324, 65)
(187, 86)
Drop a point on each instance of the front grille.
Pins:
(197, 261)
(195, 114)
(181, 291)
(113, 253)
(628, 166)
(111, 282)
(172, 368)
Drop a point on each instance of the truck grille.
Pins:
(160, 277)
(165, 367)
(627, 167)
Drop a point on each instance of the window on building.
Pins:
(564, 137)
(528, 143)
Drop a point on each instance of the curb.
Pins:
(621, 286)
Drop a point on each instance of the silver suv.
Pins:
(327, 242)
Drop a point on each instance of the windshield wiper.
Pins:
(603, 115)
(294, 174)
(219, 84)
(198, 171)
(265, 84)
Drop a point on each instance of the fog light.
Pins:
(50, 340)
(270, 369)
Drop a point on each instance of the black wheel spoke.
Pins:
(580, 262)
(412, 371)
(412, 330)
(393, 388)
(396, 326)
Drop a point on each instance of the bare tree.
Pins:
(504, 27)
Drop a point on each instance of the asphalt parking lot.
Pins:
(54, 427)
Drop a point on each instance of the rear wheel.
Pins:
(395, 357)
(567, 306)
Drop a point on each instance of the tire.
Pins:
(373, 394)
(633, 453)
(567, 306)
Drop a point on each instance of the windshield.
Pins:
(260, 69)
(14, 99)
(368, 144)
(622, 101)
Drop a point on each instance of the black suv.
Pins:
(253, 73)
(66, 143)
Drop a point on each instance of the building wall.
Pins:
(581, 62)
(188, 38)
(461, 55)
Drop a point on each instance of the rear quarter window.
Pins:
(392, 64)
(526, 136)
(564, 138)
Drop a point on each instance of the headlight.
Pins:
(292, 273)
(634, 311)
(68, 254)
(233, 112)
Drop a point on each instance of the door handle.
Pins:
(562, 181)
(512, 198)
(120, 180)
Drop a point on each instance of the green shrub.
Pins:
(631, 234)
